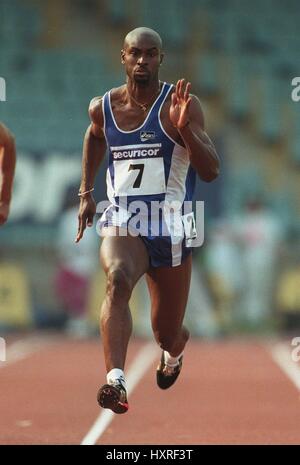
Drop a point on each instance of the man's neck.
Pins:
(143, 92)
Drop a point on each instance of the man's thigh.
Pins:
(123, 252)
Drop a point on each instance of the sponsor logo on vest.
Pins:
(136, 151)
(147, 135)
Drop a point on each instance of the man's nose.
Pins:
(142, 59)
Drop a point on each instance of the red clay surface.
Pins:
(228, 393)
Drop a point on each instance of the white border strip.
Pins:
(138, 368)
(136, 146)
(282, 356)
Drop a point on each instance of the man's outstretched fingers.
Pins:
(187, 91)
(182, 82)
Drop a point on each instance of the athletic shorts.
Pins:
(165, 248)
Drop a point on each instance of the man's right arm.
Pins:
(94, 148)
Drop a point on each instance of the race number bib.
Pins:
(139, 177)
(189, 228)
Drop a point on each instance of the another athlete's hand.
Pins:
(4, 211)
(87, 210)
(179, 109)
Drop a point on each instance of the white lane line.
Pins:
(282, 355)
(23, 348)
(136, 371)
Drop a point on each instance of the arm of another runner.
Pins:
(7, 169)
(187, 116)
(94, 148)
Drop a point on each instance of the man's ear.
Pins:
(122, 56)
(161, 58)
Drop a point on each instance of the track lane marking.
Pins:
(136, 371)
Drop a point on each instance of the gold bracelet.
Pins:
(80, 194)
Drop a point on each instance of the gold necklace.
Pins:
(143, 106)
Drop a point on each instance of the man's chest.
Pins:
(130, 119)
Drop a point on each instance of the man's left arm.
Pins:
(187, 116)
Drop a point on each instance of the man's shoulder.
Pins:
(95, 109)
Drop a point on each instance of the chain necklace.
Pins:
(143, 106)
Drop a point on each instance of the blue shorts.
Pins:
(163, 250)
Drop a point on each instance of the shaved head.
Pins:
(140, 33)
(142, 55)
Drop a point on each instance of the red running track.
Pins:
(228, 393)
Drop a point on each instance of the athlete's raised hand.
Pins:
(87, 210)
(179, 109)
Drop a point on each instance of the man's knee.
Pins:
(119, 284)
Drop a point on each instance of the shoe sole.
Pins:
(109, 397)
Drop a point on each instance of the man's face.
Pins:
(142, 58)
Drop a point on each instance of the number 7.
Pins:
(139, 166)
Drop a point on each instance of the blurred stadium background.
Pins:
(55, 55)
